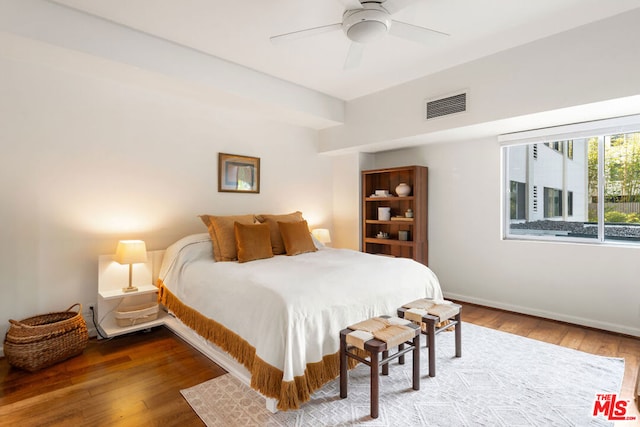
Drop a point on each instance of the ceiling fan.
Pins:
(364, 21)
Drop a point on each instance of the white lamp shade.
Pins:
(131, 252)
(322, 234)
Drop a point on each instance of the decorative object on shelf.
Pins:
(384, 214)
(401, 218)
(382, 235)
(41, 341)
(130, 252)
(403, 235)
(382, 193)
(238, 174)
(403, 189)
(409, 213)
(322, 234)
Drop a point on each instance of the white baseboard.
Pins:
(612, 327)
(92, 332)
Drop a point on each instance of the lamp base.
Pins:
(130, 289)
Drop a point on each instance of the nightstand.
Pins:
(112, 277)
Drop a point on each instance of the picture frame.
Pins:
(238, 174)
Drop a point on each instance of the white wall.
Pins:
(585, 284)
(87, 161)
(347, 202)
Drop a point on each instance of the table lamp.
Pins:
(131, 252)
(322, 234)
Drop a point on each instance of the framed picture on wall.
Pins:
(238, 174)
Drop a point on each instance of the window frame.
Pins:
(568, 133)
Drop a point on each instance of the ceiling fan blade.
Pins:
(354, 56)
(414, 32)
(394, 6)
(295, 35)
(351, 4)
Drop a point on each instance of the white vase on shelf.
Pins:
(403, 189)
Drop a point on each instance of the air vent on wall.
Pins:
(446, 106)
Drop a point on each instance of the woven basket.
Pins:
(131, 315)
(44, 340)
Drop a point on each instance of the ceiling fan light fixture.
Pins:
(366, 31)
(367, 24)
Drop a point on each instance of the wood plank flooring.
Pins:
(135, 380)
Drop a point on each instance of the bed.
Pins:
(280, 317)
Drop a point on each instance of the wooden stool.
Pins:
(374, 336)
(431, 314)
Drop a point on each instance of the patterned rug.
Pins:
(500, 380)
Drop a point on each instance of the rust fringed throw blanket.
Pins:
(264, 378)
(281, 317)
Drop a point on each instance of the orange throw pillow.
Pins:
(296, 237)
(252, 241)
(277, 245)
(221, 229)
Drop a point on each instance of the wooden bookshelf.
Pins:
(416, 246)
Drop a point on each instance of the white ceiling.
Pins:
(239, 31)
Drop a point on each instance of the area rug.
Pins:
(501, 380)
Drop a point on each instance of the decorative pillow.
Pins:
(252, 241)
(296, 237)
(277, 245)
(223, 234)
(205, 220)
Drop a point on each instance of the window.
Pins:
(570, 149)
(562, 147)
(518, 200)
(552, 202)
(555, 145)
(578, 182)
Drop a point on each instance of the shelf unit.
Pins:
(416, 247)
(111, 299)
(112, 277)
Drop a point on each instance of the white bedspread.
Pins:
(292, 308)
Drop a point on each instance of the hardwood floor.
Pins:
(132, 380)
(135, 380)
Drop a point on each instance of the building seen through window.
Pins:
(585, 188)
